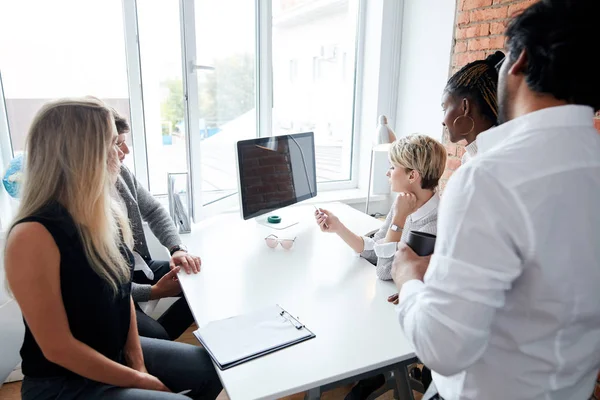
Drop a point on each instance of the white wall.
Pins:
(427, 32)
(376, 73)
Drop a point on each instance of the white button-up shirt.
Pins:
(510, 306)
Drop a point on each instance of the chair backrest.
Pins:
(11, 338)
(11, 323)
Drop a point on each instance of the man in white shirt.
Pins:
(508, 307)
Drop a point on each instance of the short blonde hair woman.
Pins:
(68, 265)
(417, 163)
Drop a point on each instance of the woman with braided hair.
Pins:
(470, 101)
(470, 105)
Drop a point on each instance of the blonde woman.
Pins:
(68, 263)
(416, 166)
(417, 163)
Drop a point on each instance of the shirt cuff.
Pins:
(409, 289)
(172, 243)
(368, 243)
(140, 293)
(406, 298)
(385, 250)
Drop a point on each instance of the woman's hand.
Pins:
(167, 286)
(405, 204)
(150, 382)
(327, 221)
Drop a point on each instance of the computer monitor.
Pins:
(275, 172)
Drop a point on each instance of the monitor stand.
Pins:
(288, 218)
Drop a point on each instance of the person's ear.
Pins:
(466, 106)
(413, 176)
(519, 66)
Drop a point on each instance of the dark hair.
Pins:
(558, 37)
(120, 122)
(478, 81)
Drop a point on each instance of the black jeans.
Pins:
(173, 322)
(179, 366)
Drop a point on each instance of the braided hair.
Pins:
(478, 81)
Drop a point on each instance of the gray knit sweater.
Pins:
(142, 206)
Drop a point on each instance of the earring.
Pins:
(472, 124)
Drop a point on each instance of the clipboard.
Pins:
(236, 340)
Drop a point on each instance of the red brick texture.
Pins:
(479, 32)
(268, 179)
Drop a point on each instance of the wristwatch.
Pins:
(177, 247)
(395, 228)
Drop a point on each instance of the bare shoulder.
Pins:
(28, 233)
(29, 244)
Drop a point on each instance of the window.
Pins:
(225, 69)
(162, 90)
(293, 71)
(73, 53)
(315, 91)
(195, 76)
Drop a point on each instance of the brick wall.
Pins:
(479, 31)
(268, 179)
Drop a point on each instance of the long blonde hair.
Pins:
(66, 161)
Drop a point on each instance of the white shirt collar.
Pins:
(551, 117)
(471, 148)
(426, 208)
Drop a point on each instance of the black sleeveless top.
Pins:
(96, 316)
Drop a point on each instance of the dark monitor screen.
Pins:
(275, 172)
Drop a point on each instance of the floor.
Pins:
(11, 391)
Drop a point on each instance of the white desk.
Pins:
(320, 280)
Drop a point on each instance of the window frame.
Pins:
(264, 100)
(136, 98)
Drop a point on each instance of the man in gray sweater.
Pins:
(162, 281)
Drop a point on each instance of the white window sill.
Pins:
(347, 196)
